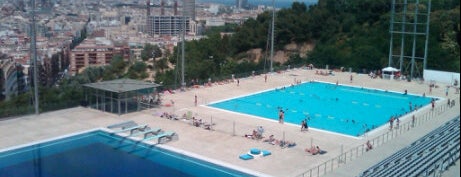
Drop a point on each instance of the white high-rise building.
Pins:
(170, 25)
(241, 4)
(189, 9)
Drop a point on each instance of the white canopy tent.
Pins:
(390, 72)
(390, 69)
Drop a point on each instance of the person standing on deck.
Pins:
(195, 100)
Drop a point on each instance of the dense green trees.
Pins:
(150, 51)
(345, 33)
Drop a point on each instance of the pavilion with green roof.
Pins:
(122, 96)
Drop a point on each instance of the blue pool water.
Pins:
(100, 154)
(340, 109)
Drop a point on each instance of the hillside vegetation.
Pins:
(341, 33)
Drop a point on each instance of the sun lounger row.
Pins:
(147, 132)
(161, 137)
(131, 129)
(123, 124)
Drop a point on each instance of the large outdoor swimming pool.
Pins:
(99, 154)
(336, 108)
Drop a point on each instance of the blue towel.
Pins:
(246, 157)
(266, 152)
(255, 151)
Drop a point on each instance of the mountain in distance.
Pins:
(278, 3)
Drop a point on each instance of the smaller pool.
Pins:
(341, 109)
(98, 154)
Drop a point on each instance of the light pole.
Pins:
(183, 34)
(271, 69)
(34, 57)
(153, 60)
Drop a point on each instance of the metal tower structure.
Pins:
(409, 30)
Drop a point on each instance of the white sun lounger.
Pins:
(131, 128)
(168, 134)
(148, 130)
(154, 131)
(122, 124)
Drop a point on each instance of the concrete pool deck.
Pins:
(226, 142)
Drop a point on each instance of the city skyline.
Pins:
(278, 3)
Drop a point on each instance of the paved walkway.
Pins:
(225, 143)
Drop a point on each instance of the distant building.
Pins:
(241, 4)
(169, 25)
(215, 21)
(189, 9)
(12, 78)
(214, 8)
(95, 52)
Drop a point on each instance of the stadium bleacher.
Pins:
(435, 150)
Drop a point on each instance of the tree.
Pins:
(92, 74)
(116, 69)
(161, 64)
(137, 71)
(150, 51)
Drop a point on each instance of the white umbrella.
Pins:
(390, 69)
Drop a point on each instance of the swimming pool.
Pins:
(98, 153)
(336, 108)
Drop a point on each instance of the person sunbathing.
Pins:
(310, 150)
(164, 115)
(196, 122)
(285, 144)
(270, 139)
(207, 126)
(313, 150)
(253, 135)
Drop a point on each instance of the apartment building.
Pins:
(95, 52)
(12, 78)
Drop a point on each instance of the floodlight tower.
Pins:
(409, 26)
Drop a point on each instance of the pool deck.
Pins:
(226, 142)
